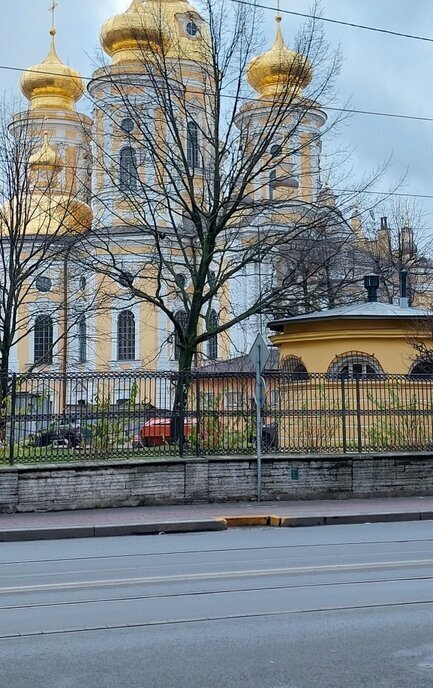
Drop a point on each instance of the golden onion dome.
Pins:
(47, 214)
(279, 70)
(52, 84)
(140, 29)
(45, 157)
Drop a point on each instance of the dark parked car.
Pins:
(68, 436)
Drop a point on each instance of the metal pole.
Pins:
(13, 415)
(343, 415)
(65, 332)
(259, 424)
(358, 414)
(181, 416)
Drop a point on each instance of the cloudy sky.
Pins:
(380, 72)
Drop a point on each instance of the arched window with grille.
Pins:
(355, 364)
(126, 336)
(182, 319)
(212, 343)
(43, 340)
(82, 339)
(422, 369)
(295, 368)
(128, 176)
(192, 145)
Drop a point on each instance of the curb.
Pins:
(113, 530)
(206, 525)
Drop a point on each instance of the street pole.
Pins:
(65, 332)
(259, 423)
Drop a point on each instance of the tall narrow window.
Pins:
(192, 151)
(126, 336)
(272, 180)
(212, 343)
(182, 319)
(128, 176)
(43, 340)
(82, 339)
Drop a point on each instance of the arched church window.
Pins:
(126, 336)
(355, 364)
(182, 319)
(421, 370)
(82, 339)
(192, 149)
(181, 280)
(128, 176)
(275, 149)
(43, 340)
(212, 278)
(212, 344)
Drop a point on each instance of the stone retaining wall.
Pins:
(180, 481)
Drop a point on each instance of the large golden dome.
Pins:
(125, 37)
(279, 70)
(52, 84)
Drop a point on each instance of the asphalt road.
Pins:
(335, 607)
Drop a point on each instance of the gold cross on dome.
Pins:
(52, 9)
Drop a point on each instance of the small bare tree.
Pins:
(400, 243)
(41, 221)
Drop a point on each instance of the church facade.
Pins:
(79, 318)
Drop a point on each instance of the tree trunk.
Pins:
(180, 401)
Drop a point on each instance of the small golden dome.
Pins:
(45, 157)
(52, 84)
(279, 70)
(126, 36)
(47, 214)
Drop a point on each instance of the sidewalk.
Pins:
(206, 517)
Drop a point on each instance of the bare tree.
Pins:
(41, 221)
(400, 243)
(213, 182)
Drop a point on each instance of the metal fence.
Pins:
(50, 417)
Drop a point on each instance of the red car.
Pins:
(156, 432)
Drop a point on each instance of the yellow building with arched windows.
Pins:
(367, 340)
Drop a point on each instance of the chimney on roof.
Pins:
(384, 223)
(371, 284)
(404, 301)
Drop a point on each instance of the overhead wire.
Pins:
(238, 97)
(354, 111)
(340, 22)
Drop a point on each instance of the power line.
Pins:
(352, 25)
(350, 111)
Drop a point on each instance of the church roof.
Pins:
(354, 311)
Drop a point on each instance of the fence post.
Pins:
(13, 405)
(343, 414)
(358, 414)
(181, 413)
(197, 420)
